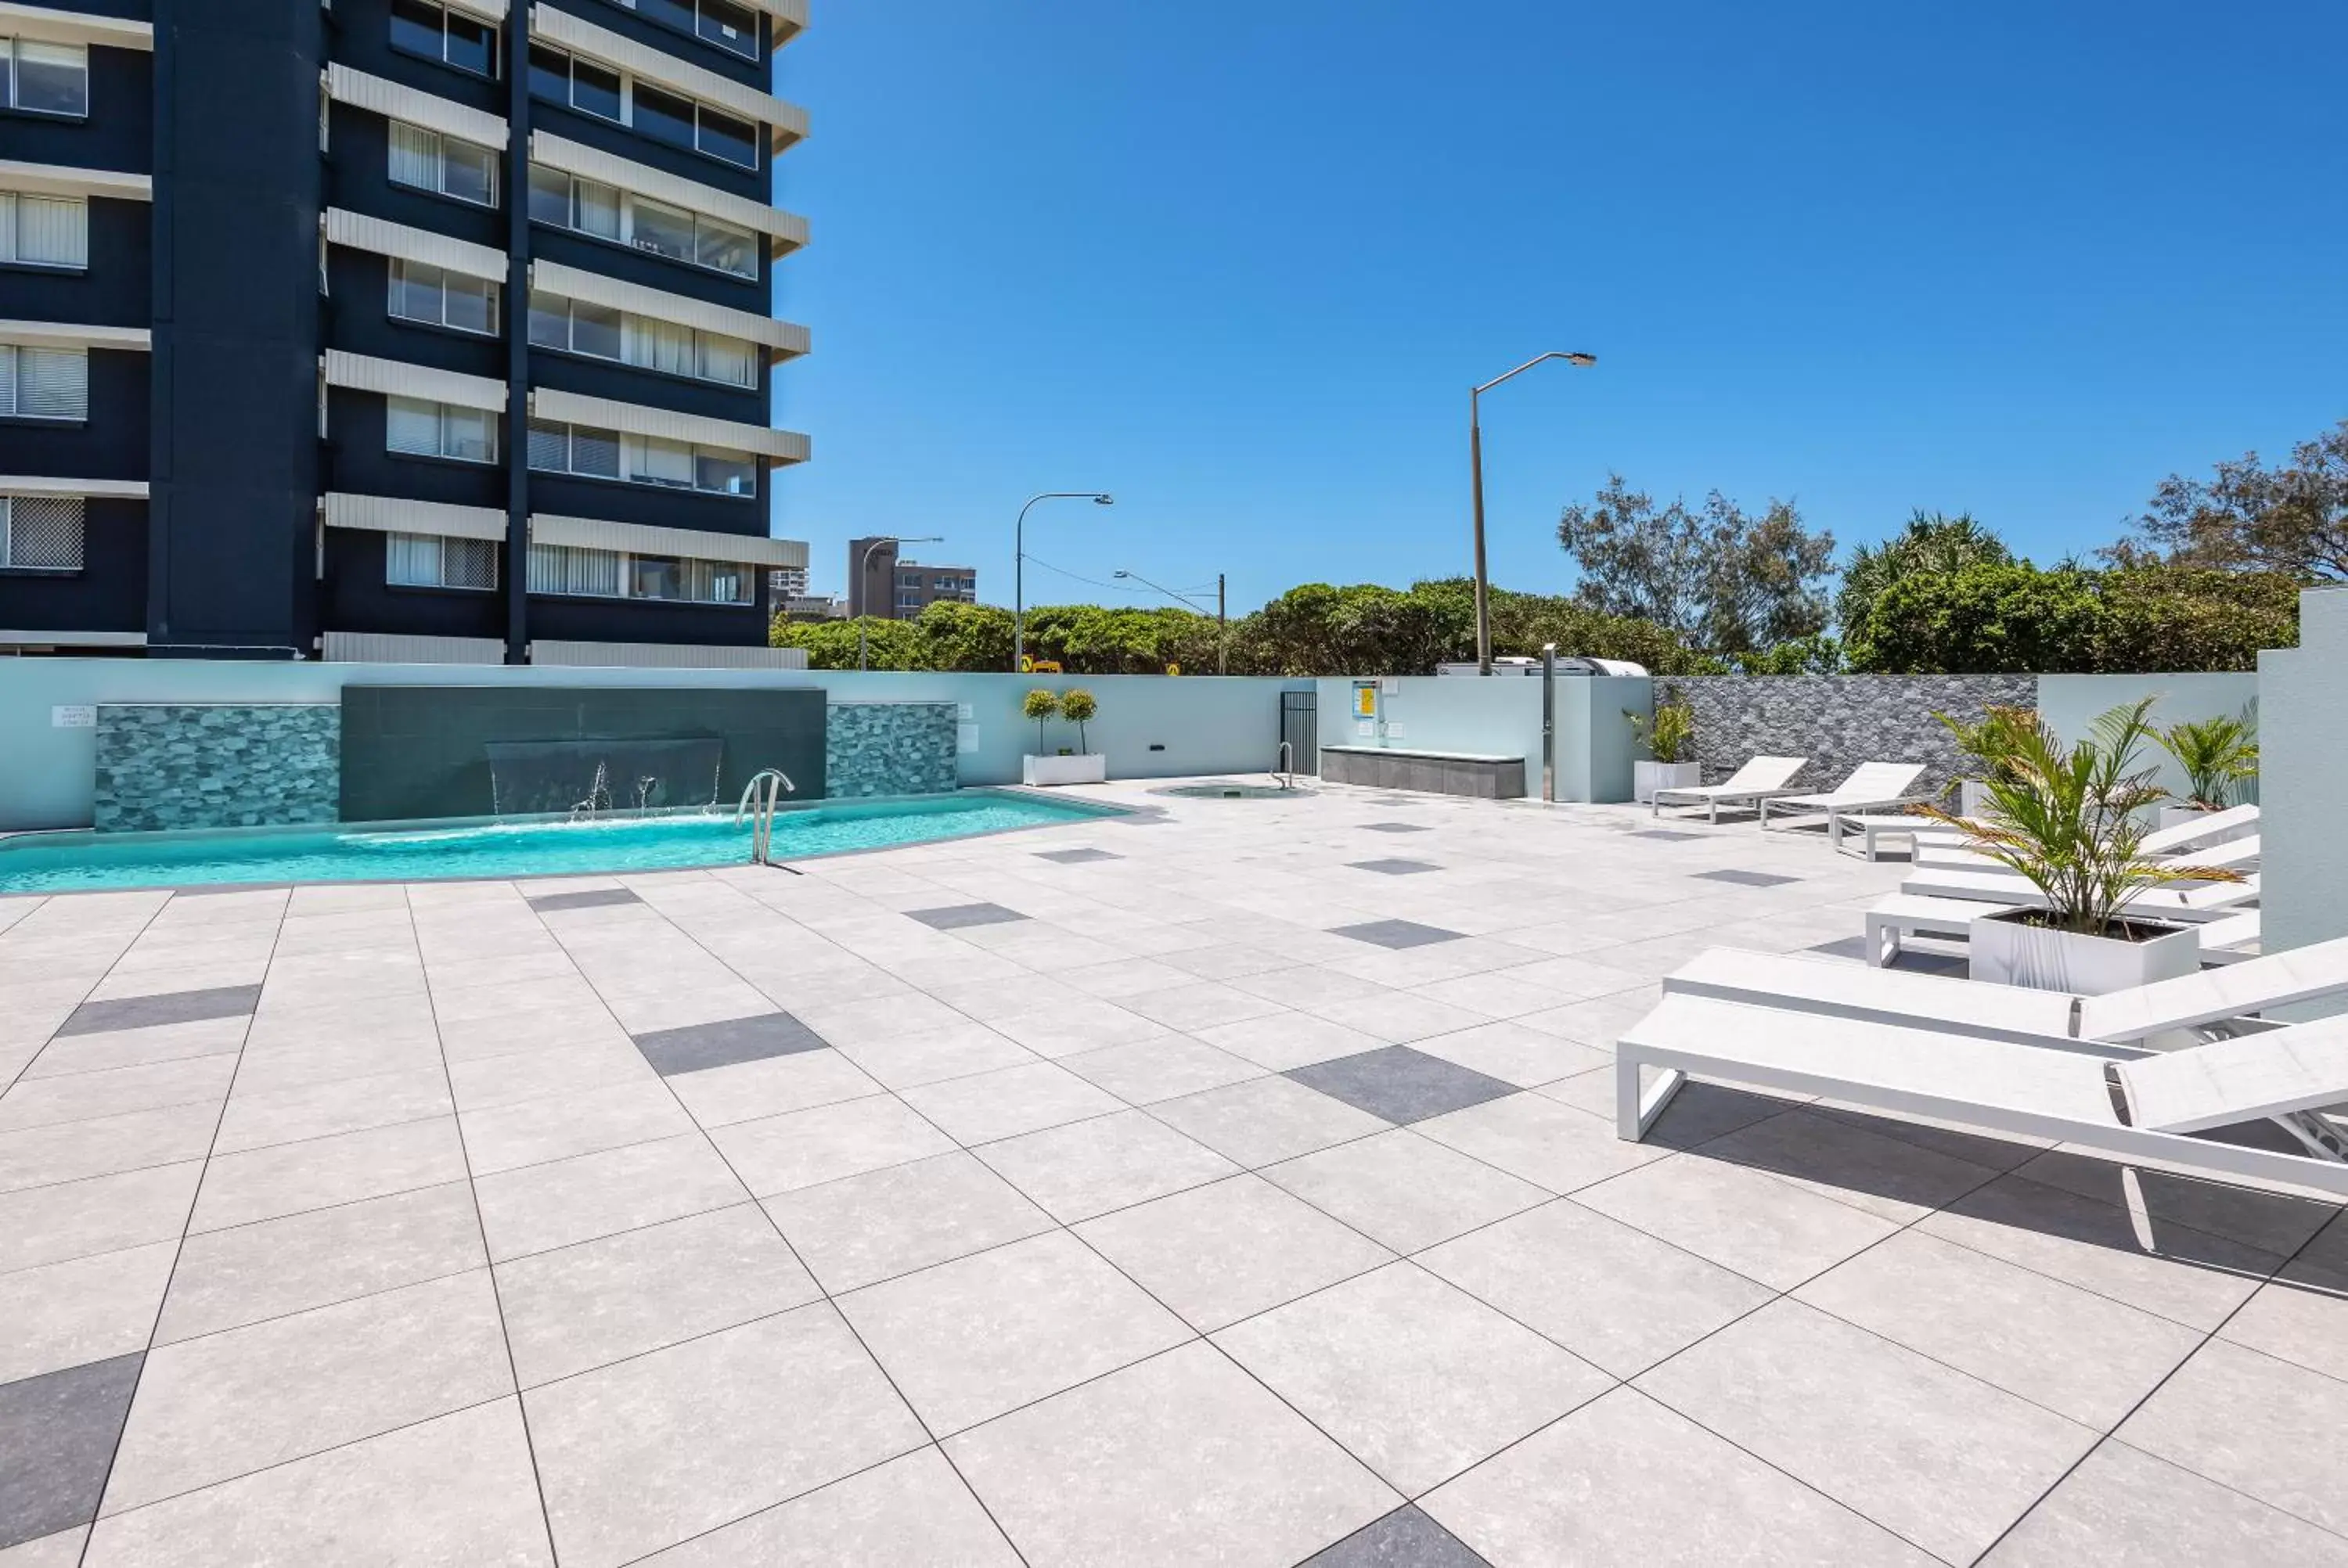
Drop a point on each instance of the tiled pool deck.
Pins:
(1233, 1187)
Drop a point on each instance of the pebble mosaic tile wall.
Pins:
(889, 748)
(186, 766)
(1839, 721)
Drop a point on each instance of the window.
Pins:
(558, 323)
(438, 33)
(592, 454)
(590, 207)
(43, 383)
(44, 79)
(41, 533)
(590, 88)
(430, 560)
(425, 429)
(442, 298)
(730, 26)
(430, 161)
(583, 84)
(44, 231)
(617, 574)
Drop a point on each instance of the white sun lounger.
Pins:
(2190, 901)
(1872, 786)
(1890, 922)
(2233, 855)
(2127, 1017)
(2140, 1108)
(1756, 781)
(2211, 828)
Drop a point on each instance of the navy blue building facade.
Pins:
(447, 334)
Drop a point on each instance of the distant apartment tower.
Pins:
(397, 328)
(880, 583)
(787, 582)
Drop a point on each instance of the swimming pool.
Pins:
(82, 862)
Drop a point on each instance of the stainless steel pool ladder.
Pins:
(1284, 774)
(759, 797)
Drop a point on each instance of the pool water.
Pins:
(81, 862)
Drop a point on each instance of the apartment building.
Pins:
(393, 328)
(881, 583)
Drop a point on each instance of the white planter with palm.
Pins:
(2071, 822)
(1669, 736)
(2218, 757)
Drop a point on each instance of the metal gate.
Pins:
(1300, 726)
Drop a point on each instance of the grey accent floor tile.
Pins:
(1400, 1084)
(967, 1341)
(541, 1207)
(1181, 1460)
(2124, 1506)
(1402, 1539)
(1415, 1379)
(2266, 1428)
(1623, 1479)
(1615, 1297)
(862, 1229)
(1089, 1167)
(1392, 865)
(1266, 1118)
(213, 1409)
(289, 1178)
(1077, 857)
(1403, 1191)
(1932, 1455)
(697, 1047)
(957, 917)
(587, 1305)
(587, 898)
(913, 1509)
(84, 1309)
(231, 1277)
(1395, 934)
(646, 1453)
(455, 1490)
(1396, 827)
(1665, 835)
(99, 1214)
(57, 1437)
(171, 1007)
(1221, 1253)
(1743, 878)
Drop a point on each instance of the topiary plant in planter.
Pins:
(1065, 767)
(1078, 707)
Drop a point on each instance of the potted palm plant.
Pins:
(1064, 766)
(2070, 820)
(1987, 742)
(1668, 737)
(2218, 757)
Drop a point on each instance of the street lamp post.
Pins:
(1476, 462)
(1019, 565)
(1222, 624)
(864, 583)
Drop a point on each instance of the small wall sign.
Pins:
(73, 716)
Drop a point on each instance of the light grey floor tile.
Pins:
(1614, 1295)
(720, 1096)
(587, 1305)
(41, 1156)
(861, 1229)
(554, 1070)
(956, 1051)
(99, 1213)
(1066, 1030)
(2266, 1428)
(1535, 1138)
(83, 1096)
(1087, 1168)
(531, 1132)
(289, 1178)
(967, 1341)
(1403, 1191)
(1285, 1040)
(1623, 1480)
(1153, 1070)
(256, 1119)
(1266, 1118)
(1396, 1017)
(1513, 1053)
(1740, 1218)
(1181, 1460)
(1936, 1457)
(213, 1409)
(2124, 1506)
(1009, 1102)
(62, 1550)
(2301, 1314)
(91, 1308)
(783, 1153)
(1221, 1253)
(134, 1047)
(2272, 1221)
(912, 1510)
(1400, 1084)
(57, 1433)
(2075, 1352)
(1414, 1378)
(454, 1490)
(1199, 1005)
(1406, 1538)
(541, 1207)
(648, 1452)
(231, 1278)
(1697, 1114)
(282, 1070)
(1838, 1159)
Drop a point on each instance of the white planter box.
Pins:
(1973, 798)
(2005, 951)
(2177, 815)
(1646, 778)
(1090, 767)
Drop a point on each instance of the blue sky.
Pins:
(1239, 261)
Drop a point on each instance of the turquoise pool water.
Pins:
(87, 861)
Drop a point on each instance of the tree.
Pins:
(2292, 520)
(1718, 578)
(1931, 542)
(969, 637)
(831, 644)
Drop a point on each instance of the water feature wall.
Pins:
(532, 778)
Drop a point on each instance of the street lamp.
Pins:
(1476, 461)
(1019, 565)
(1222, 624)
(864, 582)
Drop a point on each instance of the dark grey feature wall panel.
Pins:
(1839, 721)
(454, 750)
